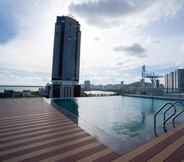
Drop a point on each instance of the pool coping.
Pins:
(155, 97)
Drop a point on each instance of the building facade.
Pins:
(66, 58)
(174, 81)
(87, 85)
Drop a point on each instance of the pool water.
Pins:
(122, 123)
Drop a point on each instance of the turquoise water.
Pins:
(120, 122)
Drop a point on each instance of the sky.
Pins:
(118, 37)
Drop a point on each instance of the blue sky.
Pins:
(8, 30)
(8, 27)
(118, 37)
(168, 27)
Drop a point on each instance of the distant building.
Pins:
(122, 84)
(45, 91)
(26, 93)
(17, 94)
(157, 83)
(8, 93)
(87, 85)
(140, 88)
(174, 81)
(66, 58)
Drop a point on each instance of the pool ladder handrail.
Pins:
(177, 115)
(165, 120)
(174, 115)
(156, 114)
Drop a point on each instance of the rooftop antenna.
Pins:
(143, 71)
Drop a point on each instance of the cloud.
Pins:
(25, 50)
(15, 17)
(156, 41)
(133, 50)
(103, 11)
(107, 13)
(120, 64)
(96, 38)
(12, 76)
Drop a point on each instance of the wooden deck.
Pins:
(32, 130)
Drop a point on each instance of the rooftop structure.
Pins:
(152, 76)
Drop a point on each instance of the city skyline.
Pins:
(116, 41)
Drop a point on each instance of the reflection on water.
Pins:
(68, 106)
(127, 120)
(132, 128)
(152, 106)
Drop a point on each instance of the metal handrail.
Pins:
(155, 117)
(166, 120)
(172, 105)
(177, 115)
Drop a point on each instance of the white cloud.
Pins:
(133, 50)
(136, 12)
(105, 12)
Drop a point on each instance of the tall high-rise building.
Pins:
(174, 81)
(66, 58)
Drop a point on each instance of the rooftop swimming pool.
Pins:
(120, 122)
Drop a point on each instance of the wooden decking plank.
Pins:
(148, 154)
(35, 133)
(14, 129)
(109, 157)
(48, 150)
(2, 135)
(141, 149)
(60, 150)
(176, 156)
(40, 145)
(24, 123)
(70, 153)
(95, 156)
(83, 154)
(45, 137)
(165, 153)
